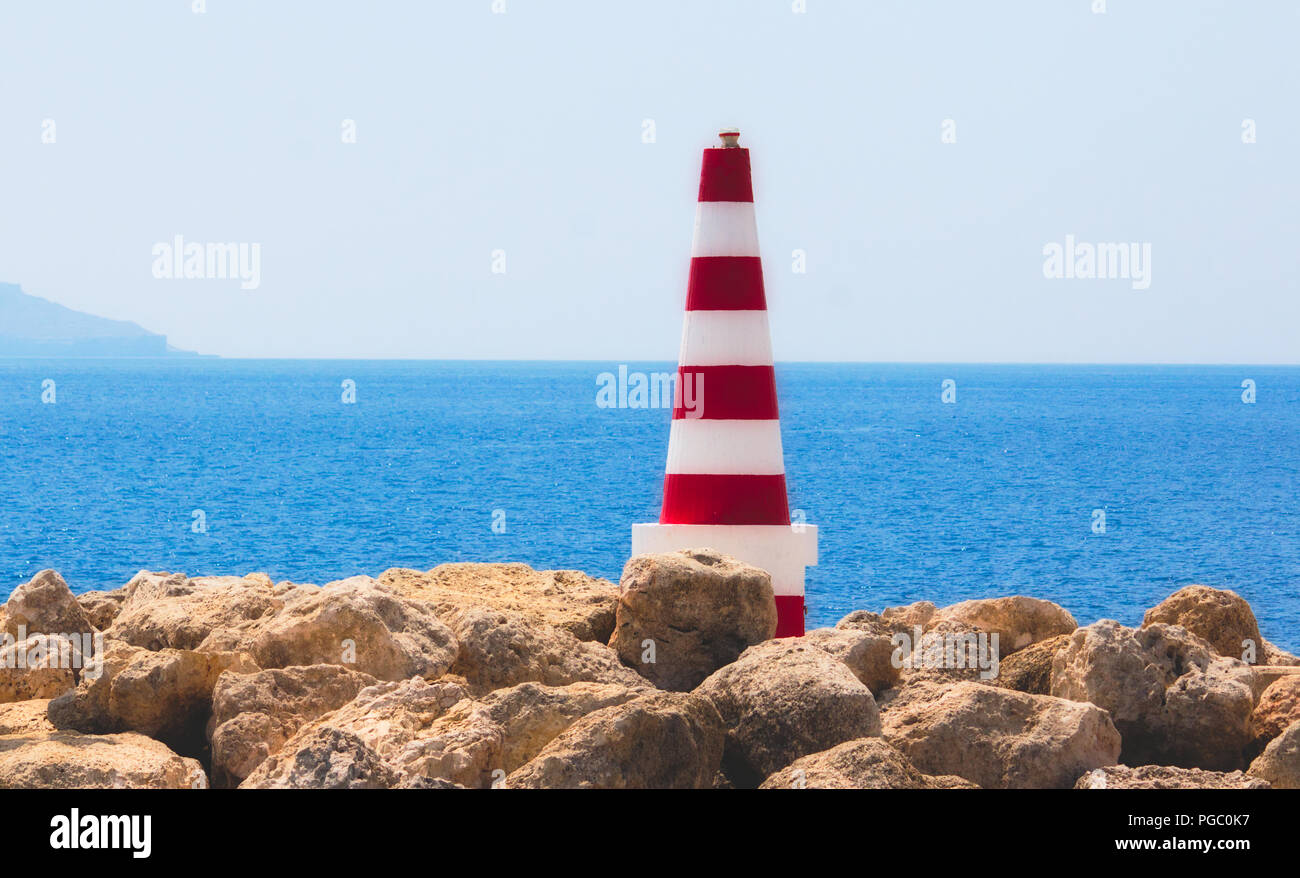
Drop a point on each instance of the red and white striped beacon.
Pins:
(725, 482)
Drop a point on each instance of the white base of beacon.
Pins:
(783, 550)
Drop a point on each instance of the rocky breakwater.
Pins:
(498, 675)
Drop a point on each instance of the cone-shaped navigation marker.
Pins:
(725, 482)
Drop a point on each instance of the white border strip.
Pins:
(725, 447)
(725, 228)
(779, 549)
(726, 338)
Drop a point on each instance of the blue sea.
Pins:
(993, 494)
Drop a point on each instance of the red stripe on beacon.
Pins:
(725, 483)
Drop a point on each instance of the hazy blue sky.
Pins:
(522, 131)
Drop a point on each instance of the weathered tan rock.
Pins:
(170, 610)
(699, 609)
(25, 717)
(663, 740)
(949, 651)
(358, 623)
(500, 648)
(1277, 708)
(1109, 665)
(44, 605)
(891, 620)
(957, 642)
(1165, 777)
(36, 668)
(906, 691)
(1221, 617)
(861, 764)
(1207, 717)
(426, 783)
(102, 607)
(1261, 677)
(477, 743)
(531, 715)
(166, 695)
(325, 758)
(85, 708)
(68, 760)
(1029, 670)
(1279, 764)
(566, 599)
(1270, 654)
(910, 615)
(432, 732)
(254, 714)
(950, 782)
(1018, 621)
(869, 656)
(784, 699)
(391, 720)
(1172, 698)
(999, 738)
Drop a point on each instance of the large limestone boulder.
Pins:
(861, 764)
(165, 694)
(1165, 777)
(170, 610)
(45, 605)
(950, 637)
(663, 740)
(475, 744)
(433, 731)
(25, 717)
(412, 782)
(102, 607)
(1029, 670)
(358, 623)
(1279, 764)
(948, 651)
(784, 699)
(85, 707)
(696, 610)
(1271, 654)
(254, 714)
(1111, 666)
(168, 694)
(391, 720)
(1206, 722)
(499, 648)
(1206, 718)
(1018, 621)
(35, 668)
(68, 760)
(869, 656)
(892, 620)
(529, 716)
(324, 758)
(1277, 708)
(569, 600)
(999, 738)
(1221, 617)
(1173, 699)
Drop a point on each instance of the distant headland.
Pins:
(34, 327)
